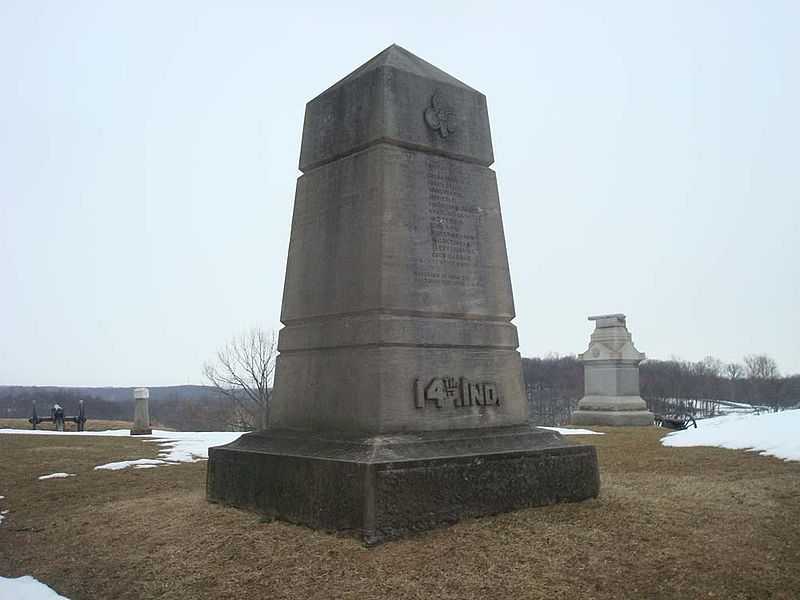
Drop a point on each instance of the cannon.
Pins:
(676, 421)
(57, 417)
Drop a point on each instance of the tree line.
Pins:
(240, 378)
(203, 412)
(16, 402)
(554, 385)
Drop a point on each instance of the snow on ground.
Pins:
(27, 588)
(727, 407)
(176, 446)
(57, 475)
(185, 446)
(565, 431)
(772, 434)
(190, 446)
(3, 514)
(141, 463)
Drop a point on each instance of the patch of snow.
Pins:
(565, 431)
(732, 404)
(3, 514)
(190, 446)
(772, 434)
(176, 446)
(27, 588)
(57, 475)
(139, 463)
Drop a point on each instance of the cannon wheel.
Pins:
(685, 419)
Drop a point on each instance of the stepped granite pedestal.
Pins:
(398, 401)
(611, 377)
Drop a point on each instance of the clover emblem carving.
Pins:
(441, 116)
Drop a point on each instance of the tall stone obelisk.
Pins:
(398, 401)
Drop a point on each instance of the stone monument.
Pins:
(611, 377)
(398, 401)
(141, 412)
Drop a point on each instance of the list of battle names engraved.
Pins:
(453, 228)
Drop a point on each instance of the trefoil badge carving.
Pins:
(441, 116)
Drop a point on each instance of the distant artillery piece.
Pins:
(57, 417)
(678, 421)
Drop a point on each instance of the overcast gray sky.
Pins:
(647, 154)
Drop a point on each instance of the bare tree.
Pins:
(761, 366)
(762, 375)
(242, 374)
(709, 370)
(734, 371)
(712, 366)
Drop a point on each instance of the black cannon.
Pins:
(677, 421)
(57, 417)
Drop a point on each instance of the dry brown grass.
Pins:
(669, 523)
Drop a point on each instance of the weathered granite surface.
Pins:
(381, 487)
(385, 101)
(397, 270)
(398, 400)
(611, 377)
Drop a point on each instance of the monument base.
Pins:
(612, 418)
(141, 431)
(380, 488)
(630, 411)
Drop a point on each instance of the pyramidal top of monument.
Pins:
(397, 98)
(397, 57)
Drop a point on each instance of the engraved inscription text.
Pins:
(461, 392)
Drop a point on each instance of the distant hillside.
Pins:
(182, 407)
(113, 394)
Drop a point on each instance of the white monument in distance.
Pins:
(611, 377)
(141, 412)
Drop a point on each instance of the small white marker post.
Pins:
(141, 412)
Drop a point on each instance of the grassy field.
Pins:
(669, 523)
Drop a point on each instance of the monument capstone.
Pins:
(398, 398)
(611, 377)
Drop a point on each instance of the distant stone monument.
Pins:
(399, 402)
(611, 377)
(141, 412)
